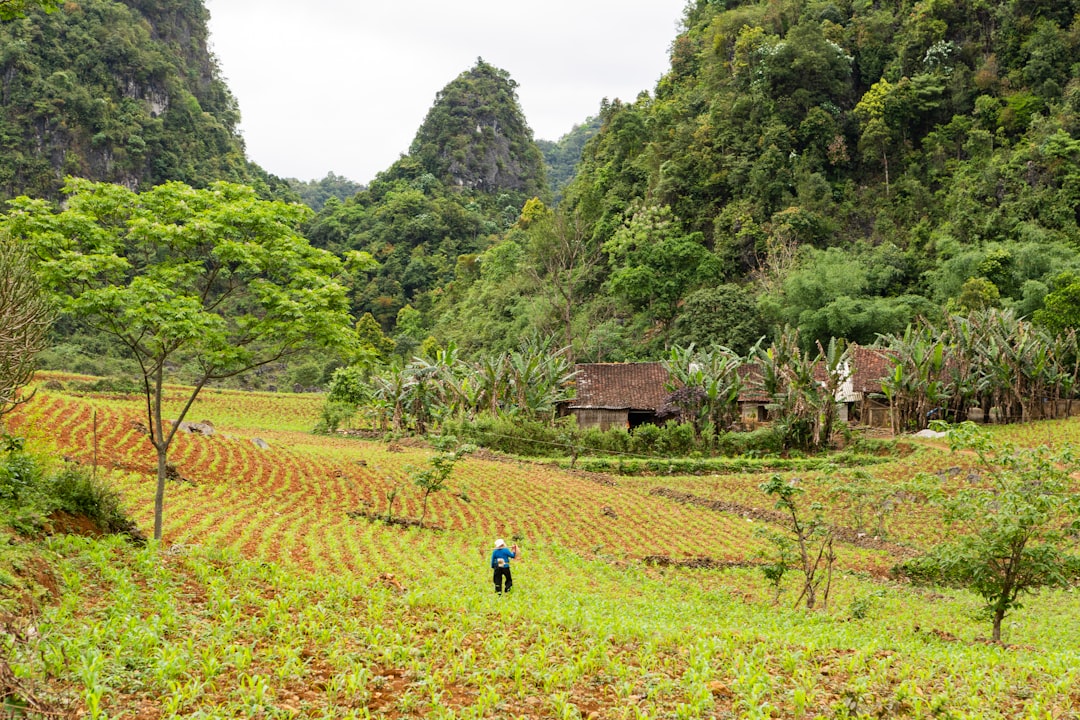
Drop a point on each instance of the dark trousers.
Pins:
(503, 574)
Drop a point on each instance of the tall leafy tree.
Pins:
(11, 9)
(214, 280)
(563, 258)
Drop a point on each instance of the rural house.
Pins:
(618, 394)
(629, 394)
(861, 394)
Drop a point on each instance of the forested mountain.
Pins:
(475, 136)
(842, 166)
(125, 92)
(315, 193)
(839, 166)
(470, 169)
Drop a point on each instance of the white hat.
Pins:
(499, 543)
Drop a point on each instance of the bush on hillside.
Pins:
(30, 491)
(517, 436)
(73, 489)
(121, 385)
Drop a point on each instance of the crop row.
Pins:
(162, 633)
(281, 503)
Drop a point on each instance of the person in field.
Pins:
(500, 563)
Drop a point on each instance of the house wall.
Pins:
(753, 412)
(603, 419)
(871, 412)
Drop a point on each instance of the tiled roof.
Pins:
(640, 386)
(753, 389)
(870, 366)
(618, 386)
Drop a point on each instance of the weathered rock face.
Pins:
(123, 92)
(475, 136)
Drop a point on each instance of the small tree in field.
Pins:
(812, 537)
(434, 479)
(1014, 529)
(215, 281)
(25, 318)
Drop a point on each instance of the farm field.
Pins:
(273, 596)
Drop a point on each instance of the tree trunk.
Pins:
(161, 444)
(159, 496)
(999, 615)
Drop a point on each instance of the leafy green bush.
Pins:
(333, 415)
(349, 385)
(756, 443)
(28, 491)
(122, 385)
(19, 474)
(645, 438)
(74, 490)
(515, 436)
(595, 440)
(675, 440)
(305, 376)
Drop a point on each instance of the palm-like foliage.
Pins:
(989, 359)
(529, 382)
(714, 377)
(803, 386)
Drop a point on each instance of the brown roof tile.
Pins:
(615, 386)
(870, 366)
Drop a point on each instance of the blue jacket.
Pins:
(504, 553)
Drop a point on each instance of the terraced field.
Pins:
(275, 594)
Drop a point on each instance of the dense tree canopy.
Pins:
(843, 168)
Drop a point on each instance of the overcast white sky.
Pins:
(342, 86)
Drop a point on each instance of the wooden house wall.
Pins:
(601, 418)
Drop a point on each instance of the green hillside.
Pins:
(124, 92)
(561, 157)
(840, 167)
(843, 167)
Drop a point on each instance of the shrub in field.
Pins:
(333, 415)
(121, 385)
(30, 490)
(76, 491)
(516, 436)
(1014, 529)
(644, 438)
(811, 536)
(675, 440)
(434, 479)
(612, 440)
(777, 560)
(763, 441)
(19, 472)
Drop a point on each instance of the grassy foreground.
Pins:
(269, 600)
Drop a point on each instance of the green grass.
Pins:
(204, 633)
